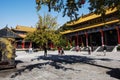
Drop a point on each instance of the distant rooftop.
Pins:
(24, 28)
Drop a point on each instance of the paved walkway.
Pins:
(71, 66)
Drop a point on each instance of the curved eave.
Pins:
(22, 35)
(65, 32)
(90, 17)
(89, 27)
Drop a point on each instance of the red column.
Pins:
(102, 37)
(86, 34)
(80, 40)
(30, 46)
(67, 41)
(118, 34)
(51, 45)
(23, 44)
(76, 39)
(71, 41)
(15, 44)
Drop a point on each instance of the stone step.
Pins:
(109, 49)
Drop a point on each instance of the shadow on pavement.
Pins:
(105, 59)
(39, 66)
(67, 59)
(56, 61)
(114, 73)
(18, 61)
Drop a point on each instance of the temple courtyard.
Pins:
(71, 66)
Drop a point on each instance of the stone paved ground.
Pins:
(71, 66)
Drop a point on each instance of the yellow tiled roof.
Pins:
(89, 17)
(22, 35)
(24, 28)
(89, 27)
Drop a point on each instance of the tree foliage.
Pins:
(45, 31)
(71, 7)
(62, 42)
(63, 28)
(100, 6)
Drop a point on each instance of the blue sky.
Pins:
(23, 12)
